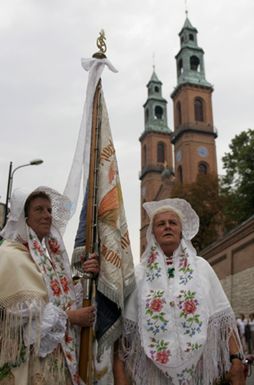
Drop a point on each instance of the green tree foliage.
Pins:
(237, 186)
(203, 195)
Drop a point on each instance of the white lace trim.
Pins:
(52, 329)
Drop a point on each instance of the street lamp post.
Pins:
(10, 181)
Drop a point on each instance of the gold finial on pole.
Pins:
(101, 45)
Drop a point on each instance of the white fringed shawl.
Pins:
(26, 317)
(208, 356)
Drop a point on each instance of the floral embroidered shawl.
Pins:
(57, 277)
(175, 335)
(178, 321)
(173, 316)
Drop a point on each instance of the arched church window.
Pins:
(158, 111)
(146, 115)
(182, 39)
(199, 109)
(191, 37)
(180, 67)
(180, 174)
(178, 113)
(156, 89)
(161, 152)
(203, 168)
(194, 63)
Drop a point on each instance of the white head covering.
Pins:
(188, 217)
(15, 227)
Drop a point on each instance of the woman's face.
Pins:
(167, 230)
(40, 216)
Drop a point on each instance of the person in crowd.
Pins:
(241, 322)
(247, 336)
(40, 307)
(251, 325)
(179, 327)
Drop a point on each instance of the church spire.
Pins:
(155, 106)
(156, 148)
(190, 58)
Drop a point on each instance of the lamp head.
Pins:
(36, 162)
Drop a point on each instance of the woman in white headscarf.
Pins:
(179, 326)
(40, 309)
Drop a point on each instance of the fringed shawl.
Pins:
(26, 319)
(206, 359)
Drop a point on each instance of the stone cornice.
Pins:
(237, 234)
(191, 129)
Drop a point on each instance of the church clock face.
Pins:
(178, 156)
(202, 151)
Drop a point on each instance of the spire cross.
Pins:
(186, 8)
(154, 61)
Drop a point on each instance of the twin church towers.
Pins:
(178, 156)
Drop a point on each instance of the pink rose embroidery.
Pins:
(37, 247)
(162, 357)
(184, 263)
(156, 304)
(189, 307)
(68, 339)
(54, 246)
(64, 283)
(55, 287)
(152, 258)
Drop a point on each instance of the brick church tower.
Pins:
(156, 148)
(194, 134)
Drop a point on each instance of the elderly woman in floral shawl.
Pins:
(179, 326)
(39, 306)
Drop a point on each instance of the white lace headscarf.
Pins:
(15, 228)
(188, 217)
(172, 312)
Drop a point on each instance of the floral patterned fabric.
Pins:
(173, 316)
(53, 263)
(179, 321)
(180, 333)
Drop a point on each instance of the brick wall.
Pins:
(240, 291)
(232, 258)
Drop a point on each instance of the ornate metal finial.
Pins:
(154, 61)
(101, 45)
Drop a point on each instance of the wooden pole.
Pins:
(86, 356)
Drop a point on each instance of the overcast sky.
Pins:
(42, 83)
